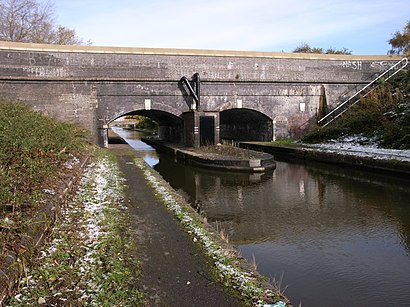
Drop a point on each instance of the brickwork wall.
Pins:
(93, 86)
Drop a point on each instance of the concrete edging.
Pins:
(387, 166)
(18, 46)
(265, 163)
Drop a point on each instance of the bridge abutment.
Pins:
(102, 136)
(201, 128)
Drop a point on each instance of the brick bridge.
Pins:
(225, 94)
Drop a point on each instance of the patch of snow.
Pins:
(362, 147)
(72, 162)
(100, 186)
(49, 191)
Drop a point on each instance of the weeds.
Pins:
(383, 115)
(33, 149)
(37, 157)
(283, 142)
(91, 260)
(227, 152)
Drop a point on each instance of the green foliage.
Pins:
(119, 267)
(144, 123)
(398, 133)
(147, 124)
(33, 149)
(284, 142)
(383, 115)
(319, 134)
(305, 48)
(91, 259)
(400, 42)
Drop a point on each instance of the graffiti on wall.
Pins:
(355, 65)
(381, 65)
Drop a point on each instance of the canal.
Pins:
(328, 236)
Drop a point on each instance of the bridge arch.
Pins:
(114, 103)
(170, 125)
(242, 124)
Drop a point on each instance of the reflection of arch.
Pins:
(245, 125)
(170, 126)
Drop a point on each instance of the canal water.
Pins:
(328, 236)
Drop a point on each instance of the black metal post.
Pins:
(195, 94)
(197, 83)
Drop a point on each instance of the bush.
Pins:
(397, 135)
(318, 134)
(33, 149)
(384, 114)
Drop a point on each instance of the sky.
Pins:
(361, 26)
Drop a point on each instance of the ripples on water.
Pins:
(338, 237)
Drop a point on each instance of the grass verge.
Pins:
(57, 249)
(34, 148)
(38, 155)
(91, 259)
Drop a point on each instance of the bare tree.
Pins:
(34, 22)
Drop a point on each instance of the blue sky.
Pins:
(362, 26)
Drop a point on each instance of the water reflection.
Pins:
(205, 189)
(340, 237)
(133, 138)
(329, 232)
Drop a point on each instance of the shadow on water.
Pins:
(340, 237)
(190, 182)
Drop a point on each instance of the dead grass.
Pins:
(227, 152)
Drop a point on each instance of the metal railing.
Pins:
(352, 100)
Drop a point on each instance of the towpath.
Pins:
(174, 271)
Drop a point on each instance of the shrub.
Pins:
(384, 114)
(397, 135)
(33, 149)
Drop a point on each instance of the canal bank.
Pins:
(217, 157)
(360, 157)
(183, 261)
(329, 235)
